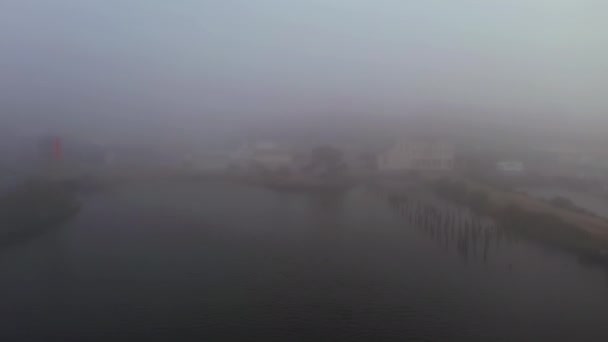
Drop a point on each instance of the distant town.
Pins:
(578, 168)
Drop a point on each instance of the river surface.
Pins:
(217, 262)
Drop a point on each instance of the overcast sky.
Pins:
(110, 63)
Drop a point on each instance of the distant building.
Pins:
(575, 163)
(50, 148)
(213, 161)
(510, 167)
(264, 155)
(360, 162)
(417, 156)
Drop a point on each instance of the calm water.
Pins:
(229, 263)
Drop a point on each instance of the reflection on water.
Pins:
(454, 228)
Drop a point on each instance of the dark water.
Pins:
(228, 263)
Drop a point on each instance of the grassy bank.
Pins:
(33, 207)
(560, 227)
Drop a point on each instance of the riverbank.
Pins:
(571, 230)
(34, 207)
(295, 183)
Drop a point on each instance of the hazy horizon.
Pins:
(120, 67)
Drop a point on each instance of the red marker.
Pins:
(57, 149)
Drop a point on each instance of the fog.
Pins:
(303, 170)
(143, 68)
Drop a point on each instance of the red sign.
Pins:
(57, 148)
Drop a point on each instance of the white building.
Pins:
(268, 156)
(417, 156)
(510, 167)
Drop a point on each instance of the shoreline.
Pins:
(582, 235)
(34, 208)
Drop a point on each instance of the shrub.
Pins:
(452, 190)
(566, 204)
(547, 227)
(479, 201)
